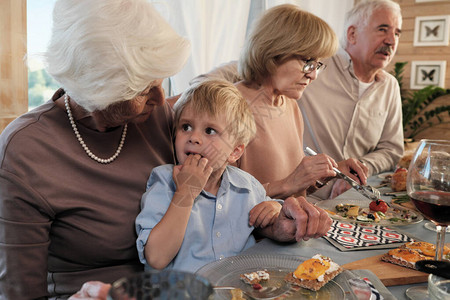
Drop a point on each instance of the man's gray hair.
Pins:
(360, 14)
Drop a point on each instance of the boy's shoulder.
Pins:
(164, 168)
(241, 178)
(162, 171)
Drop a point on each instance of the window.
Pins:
(41, 86)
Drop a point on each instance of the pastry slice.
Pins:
(404, 257)
(424, 248)
(314, 273)
(255, 277)
(237, 294)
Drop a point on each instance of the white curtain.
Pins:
(332, 11)
(217, 28)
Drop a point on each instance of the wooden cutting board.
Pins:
(388, 273)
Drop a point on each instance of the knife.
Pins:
(436, 267)
(365, 190)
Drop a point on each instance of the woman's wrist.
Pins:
(278, 189)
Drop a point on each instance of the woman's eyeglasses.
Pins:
(311, 65)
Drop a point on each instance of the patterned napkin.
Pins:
(347, 237)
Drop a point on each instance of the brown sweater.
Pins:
(64, 218)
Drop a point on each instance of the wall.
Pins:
(13, 72)
(407, 52)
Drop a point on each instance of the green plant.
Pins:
(417, 113)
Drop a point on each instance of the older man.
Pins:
(354, 108)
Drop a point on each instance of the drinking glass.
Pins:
(166, 284)
(438, 287)
(428, 186)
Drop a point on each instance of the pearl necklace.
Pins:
(80, 139)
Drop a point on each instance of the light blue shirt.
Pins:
(218, 225)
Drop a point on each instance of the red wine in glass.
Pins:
(428, 185)
(434, 205)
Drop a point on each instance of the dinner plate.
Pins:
(330, 206)
(226, 272)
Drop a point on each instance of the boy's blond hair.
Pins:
(218, 96)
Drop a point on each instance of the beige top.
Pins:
(277, 148)
(368, 128)
(344, 125)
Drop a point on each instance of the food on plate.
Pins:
(314, 273)
(386, 179)
(398, 180)
(353, 211)
(345, 208)
(255, 277)
(237, 294)
(404, 257)
(369, 215)
(427, 249)
(379, 205)
(405, 160)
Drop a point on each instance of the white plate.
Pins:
(226, 272)
(384, 175)
(364, 203)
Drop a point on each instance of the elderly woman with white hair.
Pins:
(73, 170)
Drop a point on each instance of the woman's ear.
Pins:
(236, 154)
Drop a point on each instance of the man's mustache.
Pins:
(385, 50)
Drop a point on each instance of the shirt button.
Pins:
(218, 234)
(219, 206)
(221, 257)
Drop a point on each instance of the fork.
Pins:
(265, 293)
(366, 190)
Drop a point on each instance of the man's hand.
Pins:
(264, 213)
(354, 169)
(92, 290)
(299, 219)
(340, 186)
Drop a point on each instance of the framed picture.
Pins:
(432, 31)
(432, 0)
(425, 73)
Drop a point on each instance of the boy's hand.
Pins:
(190, 178)
(264, 213)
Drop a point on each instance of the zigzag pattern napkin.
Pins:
(356, 237)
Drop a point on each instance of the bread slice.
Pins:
(314, 273)
(404, 257)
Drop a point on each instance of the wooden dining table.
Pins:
(322, 246)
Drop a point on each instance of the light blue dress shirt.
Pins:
(218, 225)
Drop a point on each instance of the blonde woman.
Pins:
(281, 57)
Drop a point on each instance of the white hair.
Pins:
(106, 51)
(360, 14)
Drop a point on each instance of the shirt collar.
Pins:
(231, 178)
(346, 61)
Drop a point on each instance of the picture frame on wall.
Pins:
(432, 30)
(425, 73)
(432, 0)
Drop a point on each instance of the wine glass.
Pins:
(428, 186)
